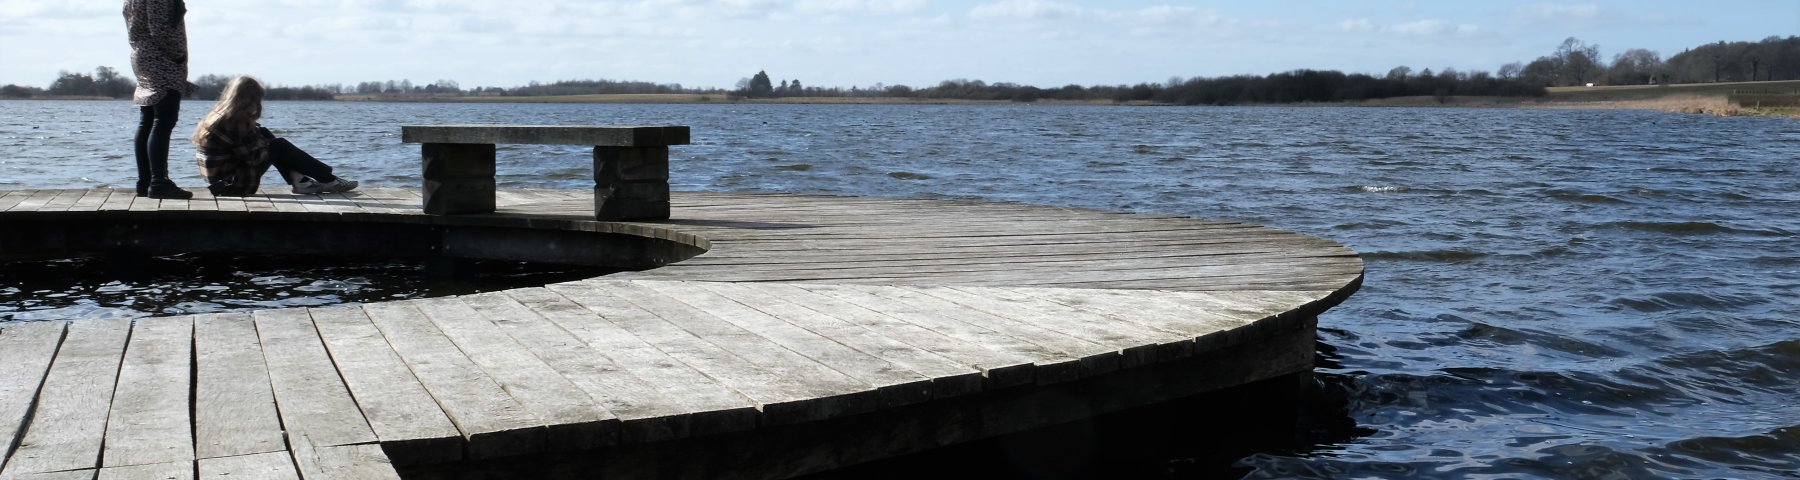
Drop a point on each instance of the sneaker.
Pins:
(308, 186)
(335, 186)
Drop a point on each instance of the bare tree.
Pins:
(1580, 61)
(1636, 66)
(1399, 73)
(1511, 71)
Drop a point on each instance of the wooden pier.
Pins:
(811, 333)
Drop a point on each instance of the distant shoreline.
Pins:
(1707, 99)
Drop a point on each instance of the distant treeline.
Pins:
(108, 83)
(1574, 62)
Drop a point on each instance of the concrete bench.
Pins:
(631, 164)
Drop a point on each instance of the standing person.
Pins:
(234, 151)
(158, 33)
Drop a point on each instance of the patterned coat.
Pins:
(233, 160)
(158, 33)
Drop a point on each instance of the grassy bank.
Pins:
(1700, 98)
(1704, 99)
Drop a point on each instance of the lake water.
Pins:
(1550, 293)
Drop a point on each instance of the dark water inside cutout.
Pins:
(1550, 293)
(196, 284)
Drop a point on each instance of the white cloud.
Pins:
(1417, 28)
(857, 6)
(52, 9)
(1556, 13)
(1025, 10)
(1357, 25)
(1421, 27)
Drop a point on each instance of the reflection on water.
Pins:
(1551, 294)
(86, 288)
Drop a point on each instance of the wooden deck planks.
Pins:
(261, 466)
(340, 462)
(403, 415)
(1051, 365)
(154, 471)
(806, 308)
(711, 406)
(781, 399)
(1000, 368)
(309, 394)
(574, 421)
(234, 407)
(895, 386)
(26, 353)
(645, 413)
(150, 422)
(68, 429)
(492, 423)
(948, 378)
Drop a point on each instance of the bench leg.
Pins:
(631, 183)
(459, 178)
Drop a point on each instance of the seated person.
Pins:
(234, 151)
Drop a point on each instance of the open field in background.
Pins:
(1702, 98)
(1651, 92)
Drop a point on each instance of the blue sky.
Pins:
(714, 43)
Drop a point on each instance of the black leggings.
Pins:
(156, 123)
(289, 159)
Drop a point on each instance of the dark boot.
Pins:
(165, 189)
(160, 185)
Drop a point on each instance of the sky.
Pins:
(862, 43)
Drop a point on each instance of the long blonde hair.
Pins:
(238, 109)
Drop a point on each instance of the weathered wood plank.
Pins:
(895, 386)
(645, 413)
(340, 462)
(35, 201)
(62, 475)
(1141, 308)
(1091, 357)
(154, 471)
(492, 423)
(1051, 365)
(116, 199)
(258, 203)
(68, 429)
(11, 198)
(63, 200)
(145, 204)
(620, 136)
(752, 346)
(231, 204)
(261, 466)
(948, 378)
(1136, 345)
(234, 407)
(574, 420)
(310, 395)
(781, 399)
(711, 406)
(151, 421)
(90, 200)
(402, 413)
(203, 201)
(26, 352)
(999, 368)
